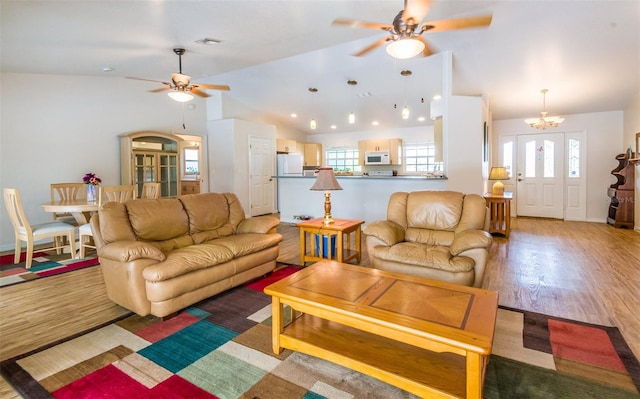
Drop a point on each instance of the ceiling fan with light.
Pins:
(180, 86)
(405, 37)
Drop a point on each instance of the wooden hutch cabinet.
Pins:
(150, 156)
(621, 194)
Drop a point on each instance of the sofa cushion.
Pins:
(157, 219)
(434, 210)
(208, 216)
(187, 259)
(417, 254)
(244, 244)
(114, 223)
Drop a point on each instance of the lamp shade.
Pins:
(180, 96)
(404, 48)
(326, 180)
(498, 173)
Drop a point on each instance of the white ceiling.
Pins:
(587, 53)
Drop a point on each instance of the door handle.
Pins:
(520, 179)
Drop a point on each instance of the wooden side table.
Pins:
(339, 228)
(500, 213)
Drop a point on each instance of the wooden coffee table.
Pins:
(427, 337)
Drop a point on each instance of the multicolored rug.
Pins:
(221, 348)
(44, 264)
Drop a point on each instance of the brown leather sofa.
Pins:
(162, 255)
(438, 235)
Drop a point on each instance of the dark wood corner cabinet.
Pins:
(621, 193)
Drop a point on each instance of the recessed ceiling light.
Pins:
(208, 41)
(437, 97)
(293, 115)
(375, 123)
(364, 94)
(421, 119)
(334, 127)
(107, 69)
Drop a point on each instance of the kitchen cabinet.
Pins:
(190, 187)
(312, 155)
(284, 145)
(393, 146)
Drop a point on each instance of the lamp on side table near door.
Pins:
(326, 181)
(498, 173)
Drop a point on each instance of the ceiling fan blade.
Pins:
(361, 24)
(160, 89)
(198, 92)
(148, 80)
(416, 10)
(373, 46)
(212, 87)
(459, 23)
(427, 49)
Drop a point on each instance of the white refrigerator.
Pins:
(289, 164)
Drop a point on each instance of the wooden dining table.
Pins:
(78, 207)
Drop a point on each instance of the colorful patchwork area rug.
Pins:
(221, 348)
(44, 264)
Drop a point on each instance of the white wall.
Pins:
(56, 128)
(604, 142)
(228, 149)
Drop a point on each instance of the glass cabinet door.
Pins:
(144, 170)
(168, 175)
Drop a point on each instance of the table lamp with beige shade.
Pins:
(326, 181)
(498, 173)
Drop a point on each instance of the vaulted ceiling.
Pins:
(587, 53)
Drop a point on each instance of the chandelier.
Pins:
(544, 121)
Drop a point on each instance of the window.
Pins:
(420, 158)
(507, 157)
(191, 161)
(343, 159)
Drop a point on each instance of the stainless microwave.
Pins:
(377, 158)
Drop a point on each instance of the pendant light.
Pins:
(352, 115)
(312, 123)
(405, 111)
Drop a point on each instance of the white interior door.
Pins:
(261, 184)
(540, 175)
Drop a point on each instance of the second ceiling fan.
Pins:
(405, 37)
(181, 85)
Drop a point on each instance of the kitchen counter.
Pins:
(411, 177)
(362, 197)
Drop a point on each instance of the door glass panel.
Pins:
(574, 158)
(549, 158)
(507, 157)
(530, 159)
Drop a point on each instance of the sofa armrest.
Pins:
(388, 232)
(128, 251)
(470, 239)
(259, 224)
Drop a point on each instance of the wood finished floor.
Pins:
(582, 271)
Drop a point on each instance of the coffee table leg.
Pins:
(277, 323)
(474, 375)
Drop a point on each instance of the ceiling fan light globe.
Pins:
(180, 96)
(405, 48)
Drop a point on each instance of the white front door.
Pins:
(261, 184)
(540, 175)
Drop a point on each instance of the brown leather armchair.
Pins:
(439, 235)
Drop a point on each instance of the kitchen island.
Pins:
(361, 197)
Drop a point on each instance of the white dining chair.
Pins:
(150, 190)
(105, 194)
(32, 233)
